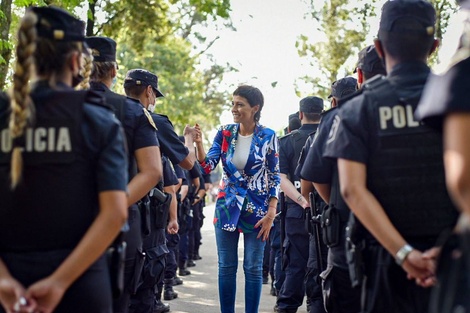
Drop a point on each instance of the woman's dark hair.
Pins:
(254, 97)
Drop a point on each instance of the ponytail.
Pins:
(22, 107)
(86, 70)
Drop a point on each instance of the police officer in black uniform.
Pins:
(292, 292)
(63, 176)
(323, 173)
(390, 166)
(145, 167)
(340, 88)
(444, 106)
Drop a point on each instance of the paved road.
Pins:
(199, 294)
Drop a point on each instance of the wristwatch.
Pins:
(401, 255)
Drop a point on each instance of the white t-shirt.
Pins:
(242, 150)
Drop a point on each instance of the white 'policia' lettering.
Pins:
(400, 116)
(40, 139)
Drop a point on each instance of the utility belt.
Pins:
(154, 209)
(332, 220)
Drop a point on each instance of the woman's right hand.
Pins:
(47, 293)
(11, 291)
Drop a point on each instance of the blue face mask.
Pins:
(113, 83)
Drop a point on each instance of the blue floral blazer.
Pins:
(243, 196)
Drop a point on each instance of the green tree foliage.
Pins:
(159, 35)
(345, 25)
(345, 28)
(5, 42)
(190, 94)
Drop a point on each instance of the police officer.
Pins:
(143, 153)
(292, 292)
(368, 65)
(390, 166)
(444, 106)
(141, 86)
(340, 88)
(63, 178)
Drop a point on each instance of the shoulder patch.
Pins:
(149, 117)
(333, 130)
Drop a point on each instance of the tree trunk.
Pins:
(90, 24)
(5, 51)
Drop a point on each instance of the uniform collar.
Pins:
(309, 127)
(409, 73)
(99, 86)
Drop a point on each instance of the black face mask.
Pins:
(76, 80)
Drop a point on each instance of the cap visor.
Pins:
(159, 94)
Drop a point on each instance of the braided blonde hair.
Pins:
(86, 70)
(22, 107)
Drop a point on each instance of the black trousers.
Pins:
(388, 290)
(134, 261)
(91, 292)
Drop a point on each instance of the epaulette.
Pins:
(289, 134)
(326, 112)
(95, 98)
(149, 117)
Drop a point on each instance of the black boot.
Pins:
(177, 281)
(169, 293)
(160, 307)
(190, 263)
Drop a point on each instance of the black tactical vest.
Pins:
(406, 173)
(57, 199)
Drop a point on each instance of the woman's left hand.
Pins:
(266, 223)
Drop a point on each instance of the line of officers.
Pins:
(364, 210)
(162, 233)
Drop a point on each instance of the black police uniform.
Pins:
(296, 249)
(174, 239)
(444, 95)
(313, 288)
(155, 245)
(140, 133)
(156, 250)
(75, 150)
(339, 295)
(377, 128)
(187, 219)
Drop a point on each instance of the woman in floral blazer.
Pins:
(247, 198)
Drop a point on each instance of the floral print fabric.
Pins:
(243, 197)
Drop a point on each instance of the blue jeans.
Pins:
(227, 250)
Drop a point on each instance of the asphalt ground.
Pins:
(199, 292)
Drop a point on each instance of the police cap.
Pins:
(57, 24)
(140, 77)
(369, 61)
(343, 87)
(103, 49)
(311, 105)
(418, 10)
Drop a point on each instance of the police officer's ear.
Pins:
(360, 77)
(301, 115)
(379, 48)
(74, 62)
(435, 45)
